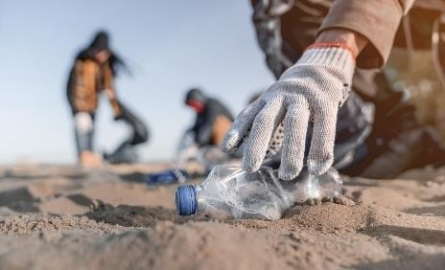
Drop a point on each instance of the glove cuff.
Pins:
(334, 45)
(334, 56)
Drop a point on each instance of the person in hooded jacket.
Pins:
(213, 119)
(92, 74)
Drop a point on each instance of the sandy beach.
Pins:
(62, 217)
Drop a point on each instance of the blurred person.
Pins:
(319, 51)
(92, 74)
(200, 148)
(213, 119)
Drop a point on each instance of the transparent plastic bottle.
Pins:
(230, 192)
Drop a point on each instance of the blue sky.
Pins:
(171, 45)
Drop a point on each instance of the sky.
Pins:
(170, 45)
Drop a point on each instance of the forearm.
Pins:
(112, 97)
(117, 111)
(353, 40)
(377, 20)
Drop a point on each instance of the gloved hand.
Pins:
(313, 89)
(119, 117)
(83, 122)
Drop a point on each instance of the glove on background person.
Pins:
(313, 89)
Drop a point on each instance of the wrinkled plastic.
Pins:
(308, 186)
(230, 192)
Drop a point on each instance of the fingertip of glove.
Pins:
(226, 148)
(286, 175)
(289, 170)
(250, 166)
(229, 142)
(316, 167)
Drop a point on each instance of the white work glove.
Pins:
(83, 122)
(312, 90)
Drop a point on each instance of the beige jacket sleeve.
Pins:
(377, 20)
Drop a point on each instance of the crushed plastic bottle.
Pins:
(230, 192)
(308, 186)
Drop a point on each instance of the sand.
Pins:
(63, 217)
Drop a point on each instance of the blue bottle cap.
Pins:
(186, 202)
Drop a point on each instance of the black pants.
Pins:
(125, 152)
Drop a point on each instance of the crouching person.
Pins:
(203, 140)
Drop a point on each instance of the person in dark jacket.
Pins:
(213, 119)
(93, 73)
